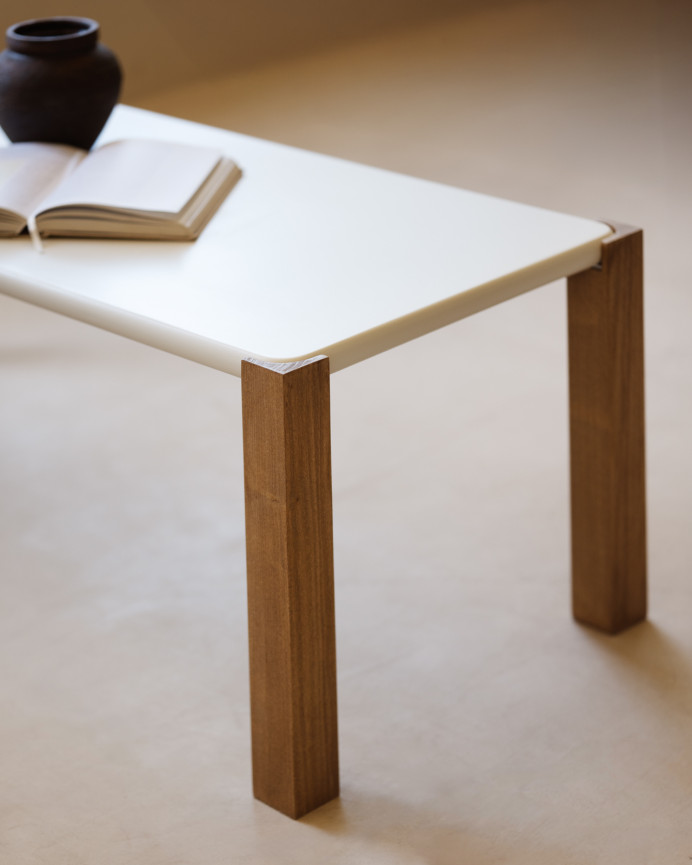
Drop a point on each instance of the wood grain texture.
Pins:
(606, 388)
(288, 513)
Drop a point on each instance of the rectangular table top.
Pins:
(308, 255)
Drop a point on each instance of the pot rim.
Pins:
(61, 34)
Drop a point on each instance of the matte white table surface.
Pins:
(309, 255)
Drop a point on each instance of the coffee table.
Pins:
(313, 264)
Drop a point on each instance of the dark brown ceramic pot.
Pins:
(57, 83)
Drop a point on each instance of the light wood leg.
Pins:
(290, 571)
(606, 385)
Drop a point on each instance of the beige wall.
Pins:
(162, 43)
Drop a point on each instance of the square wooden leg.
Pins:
(606, 387)
(288, 514)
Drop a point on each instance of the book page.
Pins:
(137, 175)
(29, 171)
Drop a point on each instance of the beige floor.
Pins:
(478, 723)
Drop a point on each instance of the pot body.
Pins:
(57, 83)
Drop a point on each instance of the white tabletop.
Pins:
(309, 255)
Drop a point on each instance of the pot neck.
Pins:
(51, 37)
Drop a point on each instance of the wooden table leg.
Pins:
(290, 571)
(606, 373)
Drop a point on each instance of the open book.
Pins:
(157, 190)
